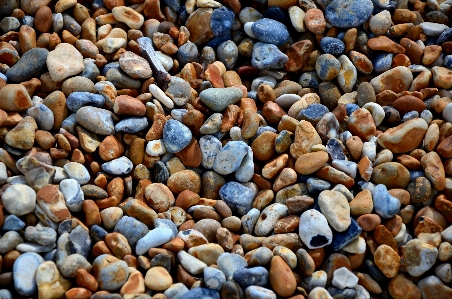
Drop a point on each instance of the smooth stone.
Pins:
(419, 257)
(229, 263)
(342, 239)
(77, 100)
(334, 206)
(270, 31)
(42, 235)
(72, 194)
(131, 228)
(9, 241)
(385, 205)
(96, 120)
(164, 231)
(119, 166)
(30, 65)
(229, 158)
(213, 278)
(332, 45)
(132, 125)
(64, 61)
(433, 29)
(77, 172)
(255, 276)
(13, 223)
(121, 80)
(110, 272)
(19, 199)
(43, 116)
(24, 270)
(218, 99)
(387, 80)
(210, 147)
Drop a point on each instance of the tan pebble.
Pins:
(361, 204)
(158, 279)
(184, 180)
(311, 162)
(401, 287)
(272, 168)
(281, 277)
(383, 43)
(305, 137)
(431, 54)
(159, 197)
(434, 170)
(387, 260)
(263, 146)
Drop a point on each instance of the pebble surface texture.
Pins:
(207, 149)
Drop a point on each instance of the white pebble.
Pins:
(248, 31)
(161, 96)
(344, 278)
(155, 148)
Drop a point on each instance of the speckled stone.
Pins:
(268, 56)
(238, 197)
(270, 31)
(176, 136)
(348, 13)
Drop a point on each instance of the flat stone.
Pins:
(218, 99)
(64, 61)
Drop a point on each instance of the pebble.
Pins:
(218, 99)
(213, 278)
(64, 61)
(229, 263)
(19, 199)
(163, 232)
(176, 136)
(77, 172)
(267, 56)
(334, 206)
(77, 100)
(109, 272)
(30, 65)
(270, 31)
(96, 120)
(327, 67)
(238, 197)
(348, 14)
(419, 257)
(314, 230)
(24, 270)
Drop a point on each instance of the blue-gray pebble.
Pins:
(79, 99)
(176, 136)
(251, 276)
(348, 13)
(12, 222)
(270, 31)
(268, 56)
(385, 205)
(382, 62)
(331, 45)
(217, 99)
(119, 166)
(313, 113)
(131, 228)
(221, 21)
(188, 52)
(24, 270)
(238, 197)
(132, 124)
(203, 293)
(79, 241)
(30, 65)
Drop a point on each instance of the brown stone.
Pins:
(387, 260)
(281, 277)
(383, 43)
(401, 287)
(412, 50)
(311, 162)
(361, 124)
(298, 54)
(263, 146)
(198, 23)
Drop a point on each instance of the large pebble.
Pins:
(397, 79)
(267, 56)
(64, 61)
(405, 137)
(334, 206)
(30, 65)
(110, 272)
(218, 99)
(314, 230)
(24, 270)
(237, 196)
(19, 199)
(96, 120)
(348, 13)
(176, 136)
(270, 31)
(229, 158)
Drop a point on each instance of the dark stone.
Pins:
(30, 65)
